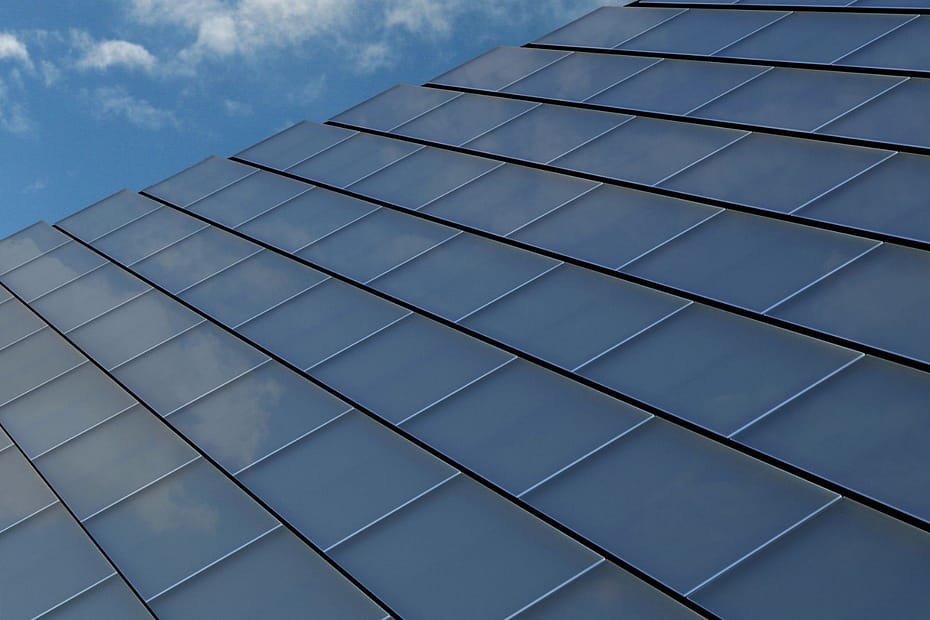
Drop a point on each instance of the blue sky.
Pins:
(100, 95)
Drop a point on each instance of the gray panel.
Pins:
(647, 150)
(805, 31)
(849, 562)
(353, 159)
(747, 260)
(408, 367)
(579, 76)
(893, 117)
(276, 574)
(716, 369)
(608, 26)
(865, 428)
(881, 300)
(676, 86)
(367, 248)
(295, 144)
(796, 98)
(394, 106)
(463, 118)
(51, 270)
(32, 361)
(507, 198)
(425, 175)
(185, 367)
(250, 287)
(112, 598)
(248, 197)
(461, 552)
(305, 219)
(702, 31)
(774, 172)
(199, 180)
(45, 560)
(570, 315)
(498, 68)
(24, 493)
(133, 328)
(320, 323)
(27, 244)
(147, 235)
(16, 321)
(177, 526)
(904, 48)
(113, 460)
(522, 423)
(546, 132)
(63, 408)
(343, 477)
(682, 517)
(111, 212)
(256, 414)
(613, 225)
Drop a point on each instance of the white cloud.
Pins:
(101, 55)
(13, 49)
(115, 102)
(236, 108)
(13, 116)
(372, 57)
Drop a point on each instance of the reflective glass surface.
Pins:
(904, 48)
(716, 369)
(16, 321)
(248, 197)
(893, 117)
(499, 67)
(609, 26)
(112, 597)
(147, 235)
(111, 212)
(33, 360)
(197, 181)
(27, 244)
(394, 106)
(353, 159)
(295, 144)
(579, 76)
(408, 366)
(24, 493)
(702, 31)
(682, 517)
(51, 270)
(463, 118)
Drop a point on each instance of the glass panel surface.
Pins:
(579, 76)
(522, 423)
(394, 106)
(277, 574)
(16, 321)
(147, 235)
(499, 67)
(890, 198)
(255, 414)
(45, 560)
(305, 219)
(609, 26)
(343, 477)
(507, 198)
(462, 275)
(353, 159)
(418, 179)
(408, 367)
(367, 248)
(199, 180)
(676, 86)
(320, 322)
(23, 490)
(185, 367)
(461, 552)
(774, 172)
(893, 117)
(849, 562)
(248, 197)
(111, 598)
(647, 150)
(133, 328)
(33, 360)
(773, 99)
(805, 31)
(63, 408)
(177, 526)
(113, 460)
(613, 225)
(295, 144)
(546, 132)
(195, 258)
(682, 517)
(570, 315)
(716, 369)
(865, 428)
(246, 289)
(27, 244)
(89, 296)
(51, 270)
(881, 300)
(702, 31)
(904, 48)
(748, 260)
(463, 118)
(111, 212)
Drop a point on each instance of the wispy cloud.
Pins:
(102, 55)
(11, 48)
(236, 108)
(116, 102)
(13, 116)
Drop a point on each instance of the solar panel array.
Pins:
(630, 321)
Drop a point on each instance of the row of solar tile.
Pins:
(851, 5)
